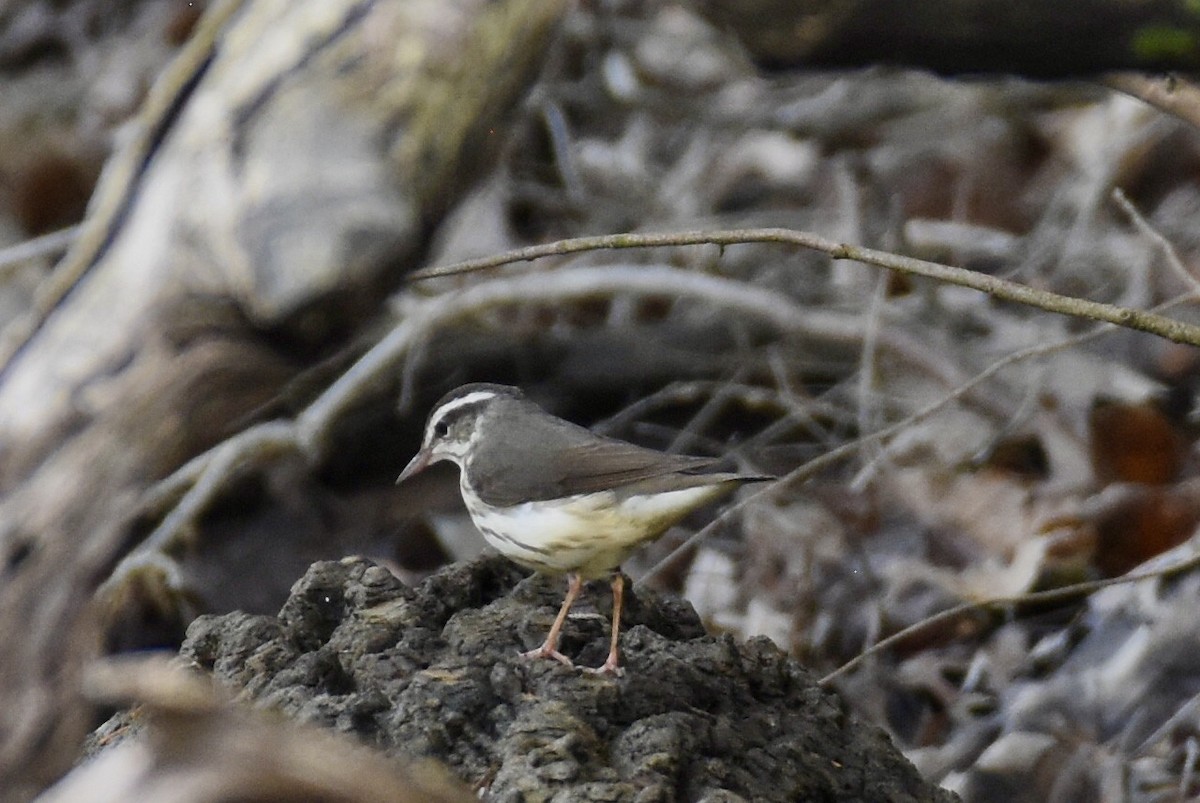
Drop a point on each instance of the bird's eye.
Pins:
(441, 429)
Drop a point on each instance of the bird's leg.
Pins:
(610, 665)
(549, 648)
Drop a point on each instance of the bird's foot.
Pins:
(546, 651)
(609, 668)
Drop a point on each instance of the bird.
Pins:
(557, 498)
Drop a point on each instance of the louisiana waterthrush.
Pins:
(557, 498)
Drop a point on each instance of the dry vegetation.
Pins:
(985, 449)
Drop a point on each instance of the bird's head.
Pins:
(454, 424)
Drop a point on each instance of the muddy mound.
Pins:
(434, 671)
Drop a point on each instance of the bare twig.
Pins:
(1063, 594)
(1173, 330)
(708, 412)
(1169, 93)
(252, 447)
(47, 245)
(1149, 232)
(868, 410)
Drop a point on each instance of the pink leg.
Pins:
(549, 648)
(611, 666)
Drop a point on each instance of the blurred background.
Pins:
(208, 214)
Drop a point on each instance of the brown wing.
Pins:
(546, 457)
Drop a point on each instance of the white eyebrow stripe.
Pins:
(471, 398)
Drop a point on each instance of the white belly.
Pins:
(591, 534)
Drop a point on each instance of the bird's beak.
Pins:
(419, 462)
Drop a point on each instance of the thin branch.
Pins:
(223, 462)
(868, 372)
(1173, 330)
(709, 411)
(1063, 594)
(1169, 93)
(46, 245)
(1155, 237)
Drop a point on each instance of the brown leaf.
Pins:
(1134, 443)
